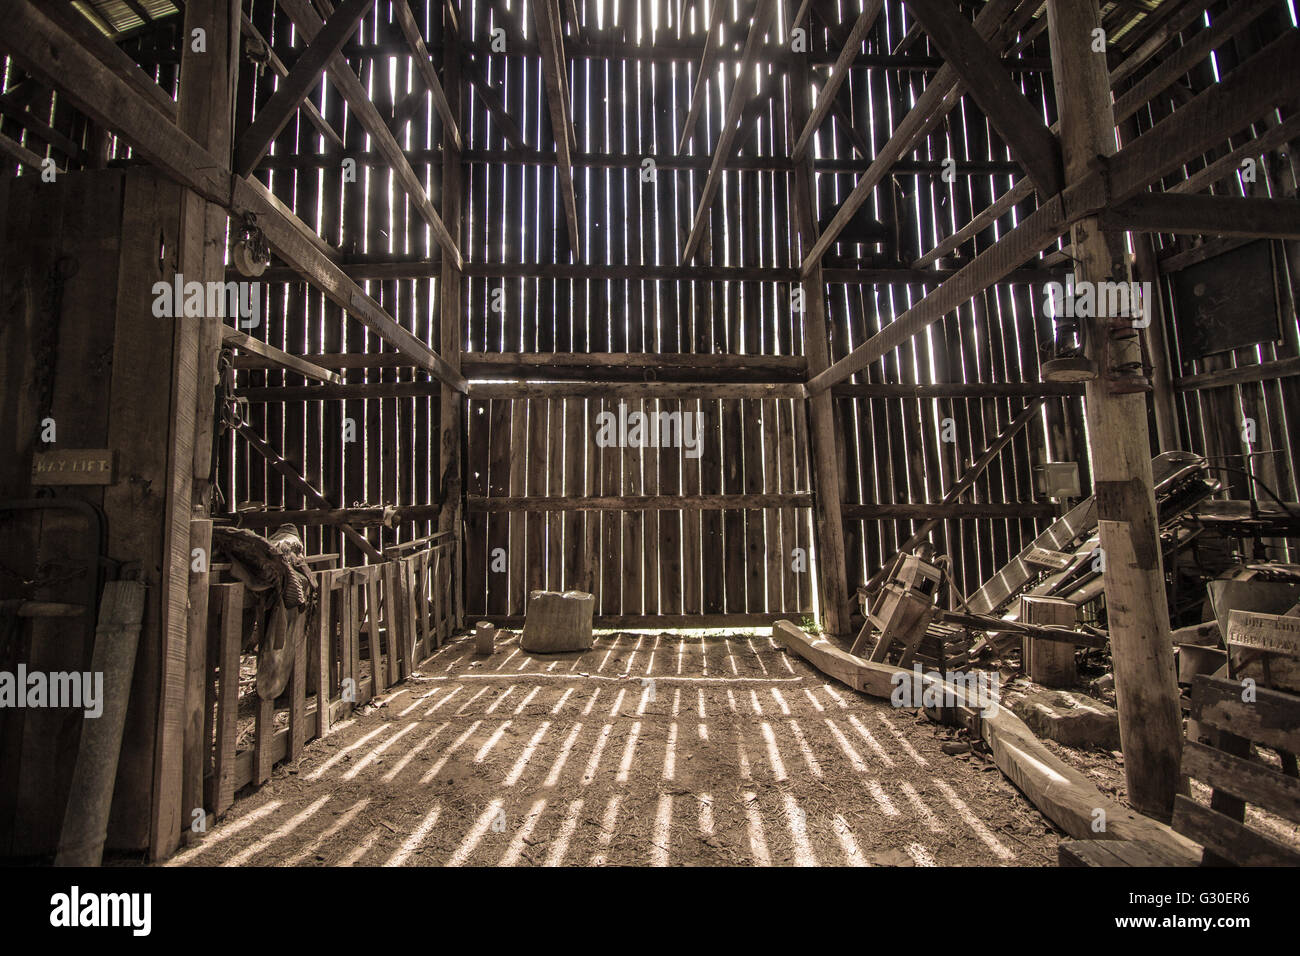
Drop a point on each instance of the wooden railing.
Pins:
(372, 627)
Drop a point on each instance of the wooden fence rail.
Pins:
(371, 628)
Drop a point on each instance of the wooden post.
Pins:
(450, 402)
(831, 562)
(1049, 663)
(1138, 615)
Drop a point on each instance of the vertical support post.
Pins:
(1137, 609)
(1146, 269)
(204, 112)
(451, 403)
(832, 567)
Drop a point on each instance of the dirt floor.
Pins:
(650, 749)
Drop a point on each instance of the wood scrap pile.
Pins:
(1063, 562)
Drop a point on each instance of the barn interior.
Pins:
(689, 432)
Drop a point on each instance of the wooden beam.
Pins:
(313, 114)
(308, 23)
(555, 79)
(276, 357)
(764, 12)
(1205, 215)
(21, 154)
(285, 237)
(828, 519)
(707, 60)
(484, 391)
(295, 87)
(989, 84)
(286, 470)
(1241, 375)
(451, 329)
(479, 504)
(964, 483)
(424, 64)
(959, 390)
(1246, 93)
(940, 95)
(935, 512)
(1151, 726)
(839, 73)
(990, 267)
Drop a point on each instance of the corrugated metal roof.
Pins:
(115, 17)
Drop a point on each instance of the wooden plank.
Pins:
(196, 626)
(1272, 719)
(409, 613)
(323, 648)
(839, 74)
(230, 599)
(298, 731)
(632, 390)
(1221, 216)
(1240, 375)
(308, 23)
(1249, 780)
(1229, 839)
(395, 617)
(475, 504)
(764, 12)
(990, 85)
(377, 665)
(289, 94)
(276, 357)
(264, 731)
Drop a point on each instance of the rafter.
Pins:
(424, 64)
(546, 16)
(940, 95)
(764, 12)
(839, 73)
(707, 60)
(313, 114)
(346, 81)
(1205, 215)
(990, 85)
(1242, 96)
(46, 51)
(297, 85)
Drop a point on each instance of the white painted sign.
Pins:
(1274, 633)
